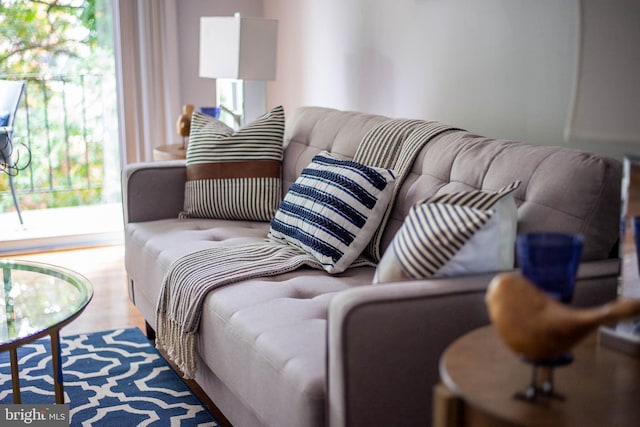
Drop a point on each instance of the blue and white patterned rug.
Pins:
(112, 378)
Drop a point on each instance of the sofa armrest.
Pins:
(153, 190)
(385, 341)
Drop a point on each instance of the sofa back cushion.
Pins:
(315, 129)
(562, 189)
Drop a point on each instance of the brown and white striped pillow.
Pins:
(234, 175)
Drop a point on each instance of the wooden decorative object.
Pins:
(183, 126)
(537, 326)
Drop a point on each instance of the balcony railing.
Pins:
(67, 126)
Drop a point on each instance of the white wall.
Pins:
(193, 89)
(501, 68)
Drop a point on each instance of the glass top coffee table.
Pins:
(38, 300)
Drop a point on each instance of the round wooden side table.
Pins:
(480, 376)
(169, 152)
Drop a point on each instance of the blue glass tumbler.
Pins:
(211, 111)
(550, 261)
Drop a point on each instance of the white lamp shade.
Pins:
(606, 104)
(238, 48)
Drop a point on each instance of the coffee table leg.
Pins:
(15, 375)
(56, 362)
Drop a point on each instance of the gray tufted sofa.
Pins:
(309, 349)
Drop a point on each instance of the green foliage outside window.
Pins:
(64, 49)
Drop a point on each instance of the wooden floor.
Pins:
(110, 307)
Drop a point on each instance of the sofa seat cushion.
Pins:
(152, 246)
(273, 331)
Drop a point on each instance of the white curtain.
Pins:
(147, 73)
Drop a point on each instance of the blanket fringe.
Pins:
(177, 344)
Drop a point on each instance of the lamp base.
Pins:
(242, 101)
(623, 337)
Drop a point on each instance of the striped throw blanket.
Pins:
(393, 144)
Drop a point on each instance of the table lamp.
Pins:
(606, 108)
(240, 53)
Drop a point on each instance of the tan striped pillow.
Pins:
(234, 175)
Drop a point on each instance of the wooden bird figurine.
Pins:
(539, 327)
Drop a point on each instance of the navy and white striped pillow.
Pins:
(333, 209)
(234, 175)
